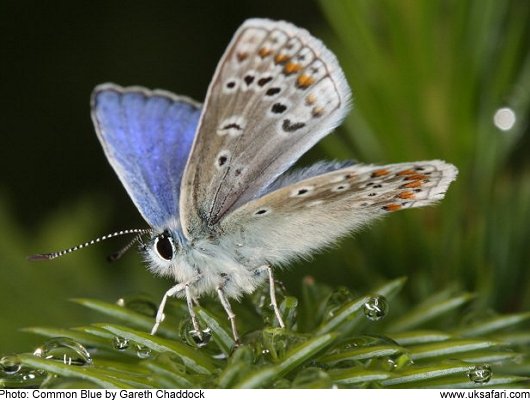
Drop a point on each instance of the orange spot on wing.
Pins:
(406, 172)
(415, 177)
(406, 195)
(241, 56)
(411, 185)
(391, 207)
(281, 58)
(264, 52)
(291, 68)
(304, 81)
(310, 99)
(317, 112)
(380, 172)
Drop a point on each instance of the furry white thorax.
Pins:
(206, 264)
(224, 263)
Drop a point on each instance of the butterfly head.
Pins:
(162, 250)
(163, 246)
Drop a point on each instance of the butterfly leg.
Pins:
(189, 301)
(274, 304)
(229, 312)
(272, 293)
(160, 313)
(172, 292)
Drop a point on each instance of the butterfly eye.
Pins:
(164, 246)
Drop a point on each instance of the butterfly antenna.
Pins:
(119, 254)
(51, 256)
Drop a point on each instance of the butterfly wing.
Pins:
(310, 214)
(147, 137)
(275, 93)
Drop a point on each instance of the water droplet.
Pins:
(376, 308)
(220, 356)
(143, 352)
(10, 364)
(191, 336)
(14, 376)
(206, 337)
(31, 378)
(337, 299)
(65, 350)
(399, 360)
(120, 343)
(504, 118)
(142, 304)
(396, 361)
(289, 311)
(23, 378)
(262, 301)
(275, 342)
(480, 373)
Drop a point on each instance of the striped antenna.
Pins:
(118, 254)
(51, 256)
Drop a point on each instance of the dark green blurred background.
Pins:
(427, 78)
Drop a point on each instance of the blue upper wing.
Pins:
(147, 137)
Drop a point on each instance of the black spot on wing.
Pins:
(272, 91)
(231, 126)
(263, 81)
(249, 79)
(222, 160)
(289, 126)
(278, 108)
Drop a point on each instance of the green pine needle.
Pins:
(347, 349)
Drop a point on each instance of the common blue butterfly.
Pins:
(214, 183)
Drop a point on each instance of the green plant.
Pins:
(334, 339)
